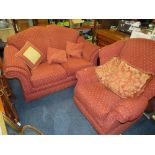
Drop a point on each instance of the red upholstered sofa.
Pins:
(106, 111)
(46, 78)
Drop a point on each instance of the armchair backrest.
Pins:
(58, 36)
(140, 53)
(36, 35)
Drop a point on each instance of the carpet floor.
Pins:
(56, 114)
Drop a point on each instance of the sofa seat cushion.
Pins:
(97, 99)
(75, 64)
(46, 73)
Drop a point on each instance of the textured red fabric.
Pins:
(107, 112)
(130, 109)
(43, 37)
(36, 35)
(97, 99)
(46, 73)
(74, 49)
(90, 51)
(56, 55)
(11, 61)
(26, 60)
(109, 51)
(58, 35)
(83, 75)
(140, 53)
(75, 64)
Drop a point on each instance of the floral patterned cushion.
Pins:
(121, 78)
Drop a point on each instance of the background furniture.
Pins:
(46, 78)
(5, 33)
(3, 130)
(5, 95)
(106, 111)
(106, 36)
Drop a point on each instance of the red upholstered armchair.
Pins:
(45, 78)
(106, 111)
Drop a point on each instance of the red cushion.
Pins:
(74, 49)
(74, 64)
(26, 50)
(46, 73)
(56, 55)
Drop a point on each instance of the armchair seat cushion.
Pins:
(75, 64)
(96, 98)
(46, 73)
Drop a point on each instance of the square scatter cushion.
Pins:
(121, 78)
(74, 49)
(56, 55)
(30, 55)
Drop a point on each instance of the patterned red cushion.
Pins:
(30, 54)
(56, 55)
(74, 49)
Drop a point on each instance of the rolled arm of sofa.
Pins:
(14, 67)
(109, 51)
(90, 51)
(87, 75)
(130, 109)
(13, 63)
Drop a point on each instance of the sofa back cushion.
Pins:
(58, 36)
(140, 53)
(36, 35)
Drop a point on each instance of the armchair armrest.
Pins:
(150, 89)
(90, 51)
(109, 51)
(130, 109)
(87, 75)
(11, 62)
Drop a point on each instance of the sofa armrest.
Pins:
(109, 51)
(87, 75)
(130, 109)
(90, 51)
(13, 62)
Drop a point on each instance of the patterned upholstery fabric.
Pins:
(75, 64)
(55, 55)
(46, 73)
(145, 60)
(36, 35)
(90, 51)
(106, 111)
(121, 78)
(74, 49)
(44, 79)
(58, 36)
(30, 54)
